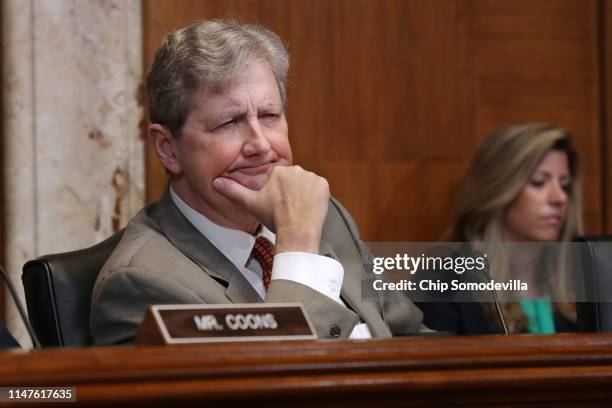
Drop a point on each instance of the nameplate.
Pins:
(191, 324)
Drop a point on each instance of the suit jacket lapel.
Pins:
(368, 311)
(184, 236)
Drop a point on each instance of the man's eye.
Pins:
(228, 123)
(270, 115)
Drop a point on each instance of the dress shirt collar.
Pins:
(236, 245)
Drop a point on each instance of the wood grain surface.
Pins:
(559, 370)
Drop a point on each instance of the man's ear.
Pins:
(164, 144)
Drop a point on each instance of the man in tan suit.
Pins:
(235, 202)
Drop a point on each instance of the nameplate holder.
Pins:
(193, 324)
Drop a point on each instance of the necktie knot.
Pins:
(263, 253)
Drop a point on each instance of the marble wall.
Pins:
(74, 158)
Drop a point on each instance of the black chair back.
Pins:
(58, 291)
(594, 284)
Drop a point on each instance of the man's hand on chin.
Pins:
(293, 203)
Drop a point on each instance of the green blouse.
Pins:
(540, 315)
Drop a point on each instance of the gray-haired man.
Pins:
(217, 95)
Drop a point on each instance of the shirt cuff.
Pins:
(361, 331)
(320, 273)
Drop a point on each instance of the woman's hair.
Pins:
(210, 54)
(502, 166)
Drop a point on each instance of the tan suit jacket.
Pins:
(163, 259)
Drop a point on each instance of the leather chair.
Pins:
(58, 292)
(594, 284)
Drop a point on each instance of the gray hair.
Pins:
(207, 53)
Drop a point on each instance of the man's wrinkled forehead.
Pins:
(228, 99)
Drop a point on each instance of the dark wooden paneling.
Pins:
(538, 61)
(389, 99)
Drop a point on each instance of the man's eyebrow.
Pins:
(233, 109)
(272, 105)
(228, 112)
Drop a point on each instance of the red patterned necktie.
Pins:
(263, 253)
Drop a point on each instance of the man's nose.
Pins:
(256, 141)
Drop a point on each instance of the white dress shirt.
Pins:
(320, 273)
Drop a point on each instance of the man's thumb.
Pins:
(234, 191)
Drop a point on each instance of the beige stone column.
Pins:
(74, 160)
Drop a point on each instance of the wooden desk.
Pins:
(431, 371)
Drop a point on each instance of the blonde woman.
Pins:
(522, 187)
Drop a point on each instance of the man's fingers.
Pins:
(235, 191)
